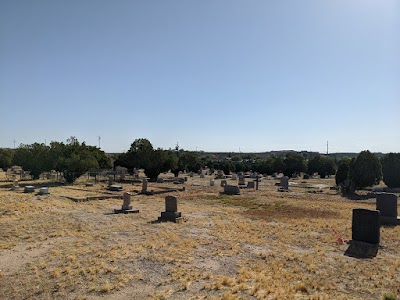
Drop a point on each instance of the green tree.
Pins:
(391, 169)
(74, 159)
(294, 163)
(342, 172)
(34, 158)
(365, 170)
(321, 164)
(6, 158)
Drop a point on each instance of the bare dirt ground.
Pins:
(260, 245)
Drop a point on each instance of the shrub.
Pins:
(391, 169)
(365, 170)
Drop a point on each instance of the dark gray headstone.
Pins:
(366, 225)
(223, 183)
(231, 190)
(115, 188)
(29, 189)
(285, 182)
(171, 204)
(387, 204)
(250, 185)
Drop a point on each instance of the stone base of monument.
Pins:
(115, 188)
(89, 184)
(283, 190)
(391, 221)
(359, 249)
(127, 210)
(175, 217)
(29, 189)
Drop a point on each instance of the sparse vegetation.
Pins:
(261, 244)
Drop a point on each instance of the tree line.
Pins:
(74, 159)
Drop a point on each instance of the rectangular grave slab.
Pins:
(366, 225)
(386, 203)
(115, 188)
(171, 212)
(171, 204)
(250, 185)
(231, 190)
(29, 189)
(44, 191)
(365, 234)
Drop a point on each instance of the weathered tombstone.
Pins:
(223, 183)
(115, 188)
(191, 174)
(231, 190)
(250, 185)
(242, 180)
(185, 178)
(202, 175)
(234, 177)
(126, 205)
(386, 203)
(365, 233)
(110, 180)
(171, 210)
(144, 185)
(44, 191)
(284, 184)
(15, 184)
(89, 184)
(29, 189)
(212, 183)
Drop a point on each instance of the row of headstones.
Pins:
(30, 188)
(366, 225)
(171, 212)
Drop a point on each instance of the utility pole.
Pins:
(327, 148)
(14, 144)
(99, 138)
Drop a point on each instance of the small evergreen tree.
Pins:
(391, 169)
(365, 170)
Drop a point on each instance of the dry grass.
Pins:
(259, 245)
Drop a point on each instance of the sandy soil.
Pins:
(260, 245)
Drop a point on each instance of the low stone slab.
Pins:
(126, 211)
(89, 184)
(44, 191)
(360, 249)
(29, 189)
(175, 217)
(231, 190)
(115, 188)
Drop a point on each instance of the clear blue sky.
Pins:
(217, 75)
